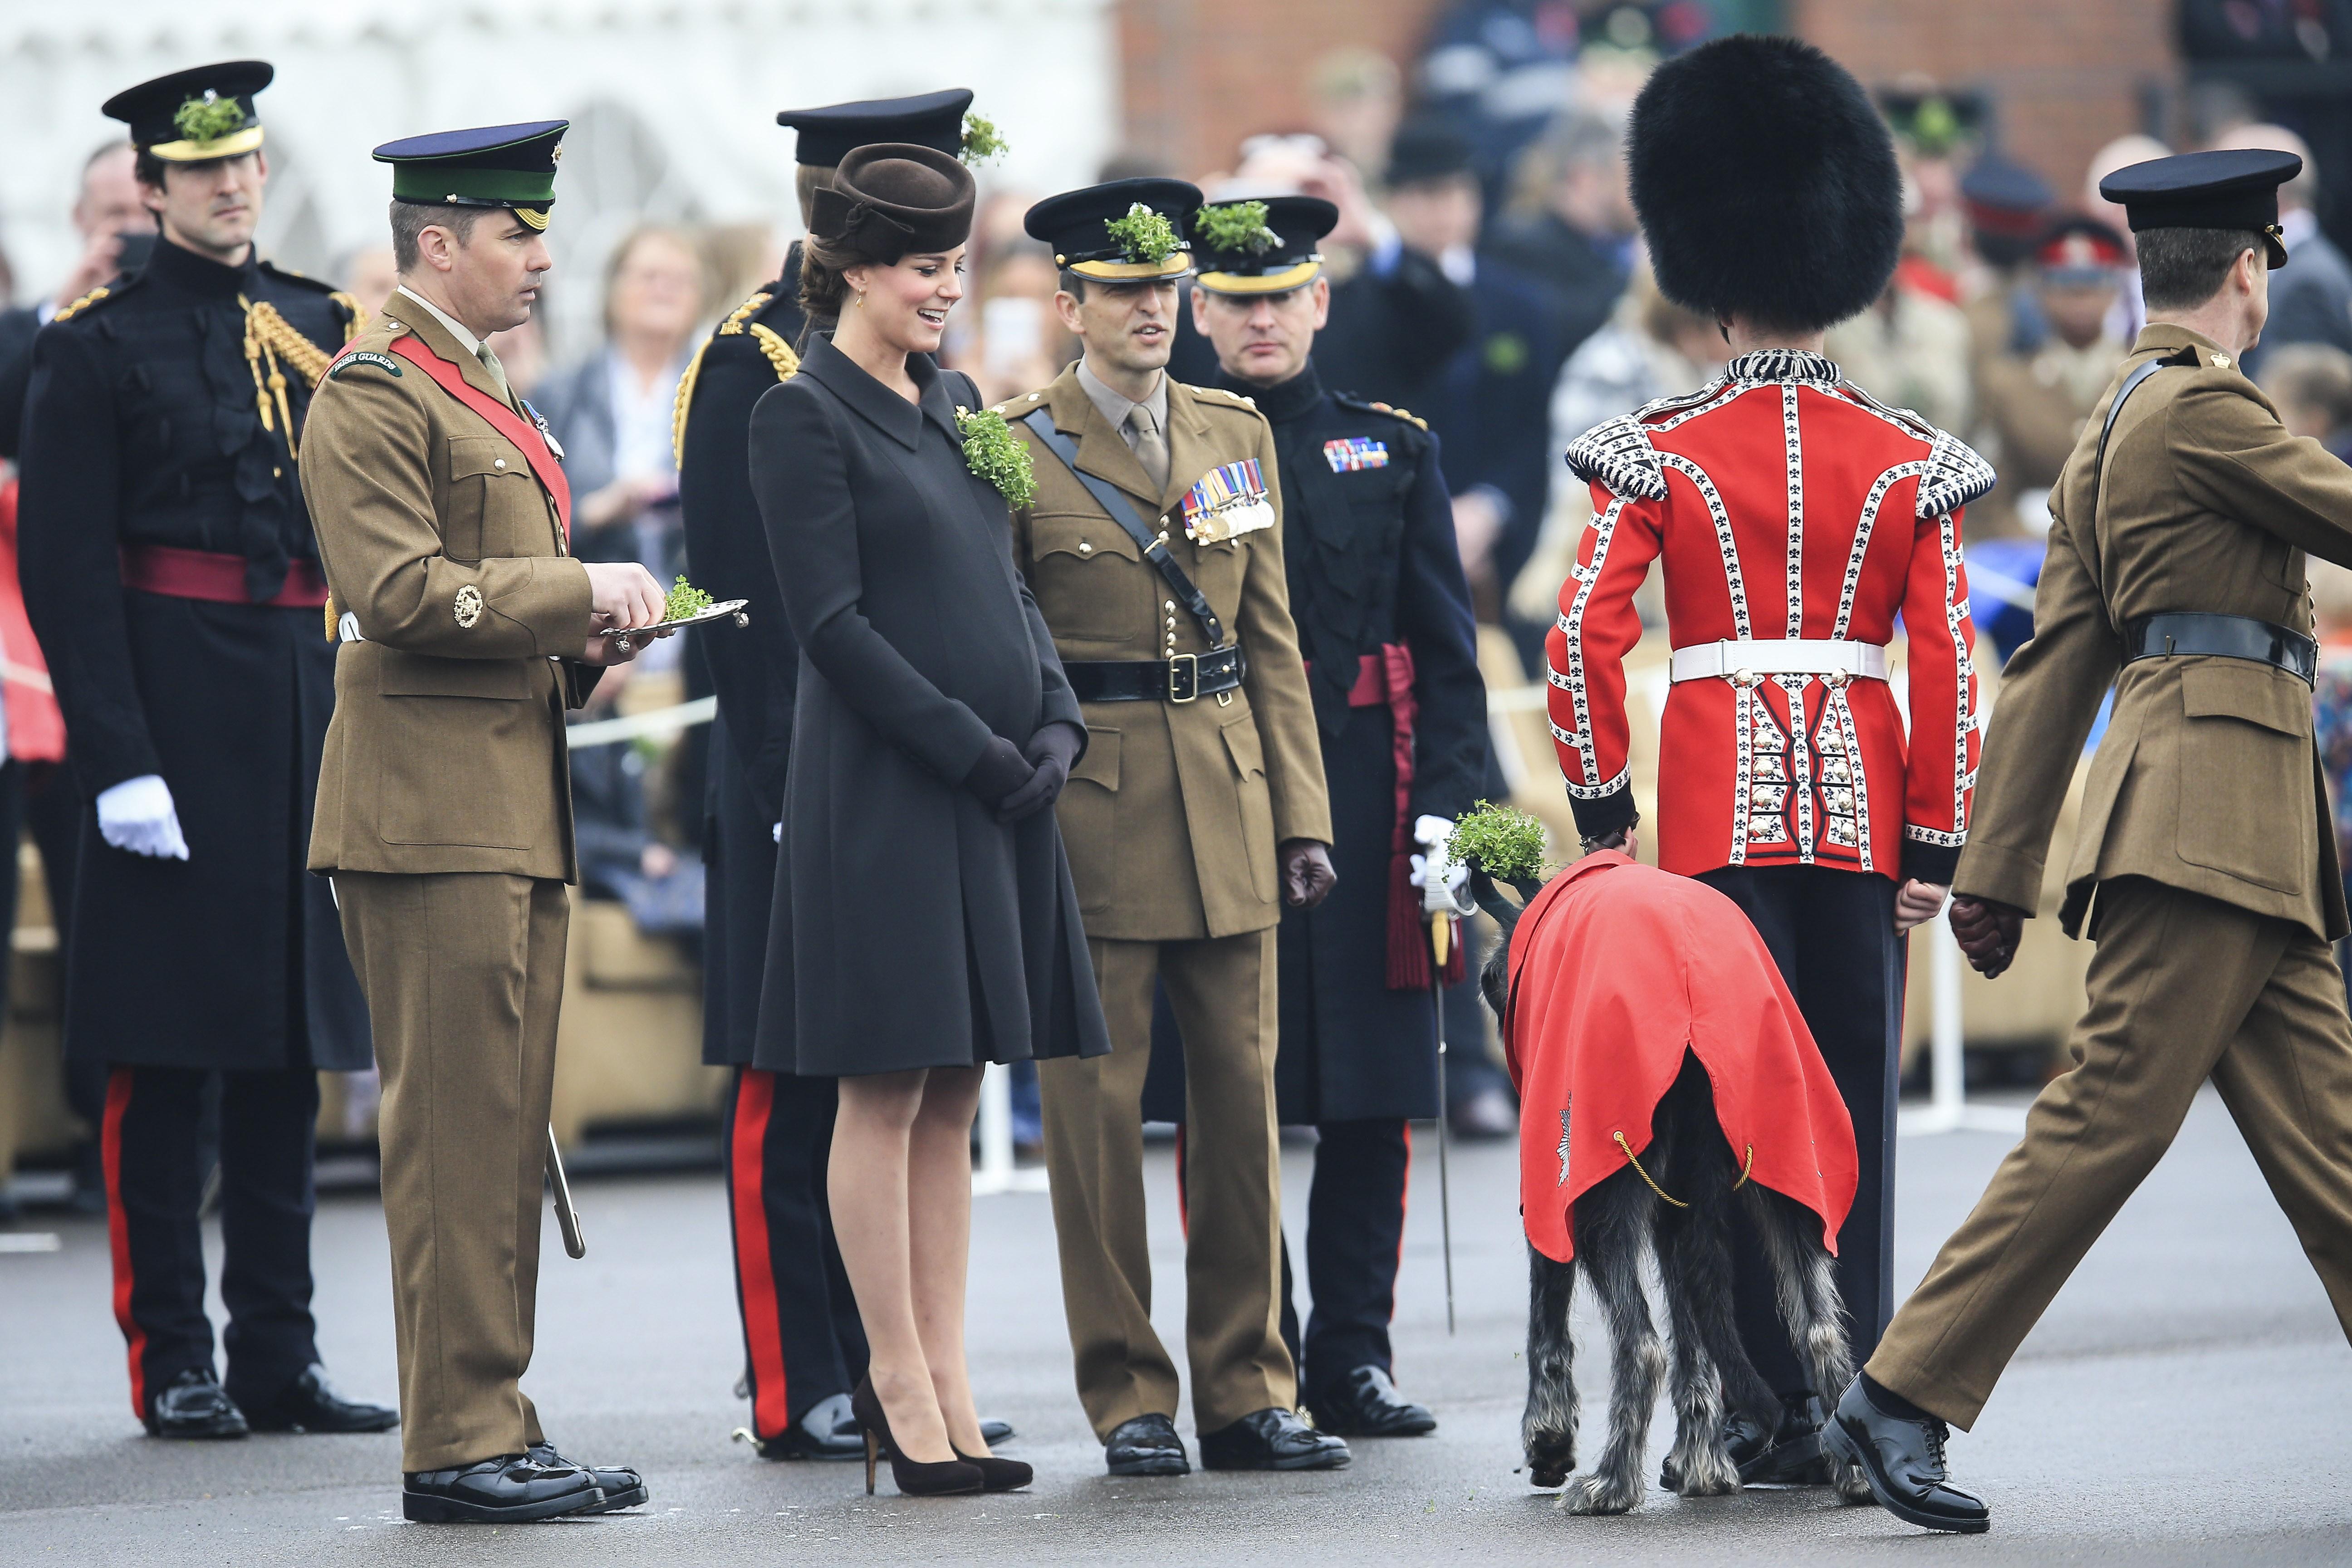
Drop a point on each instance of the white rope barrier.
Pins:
(661, 723)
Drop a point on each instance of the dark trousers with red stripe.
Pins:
(155, 1183)
(1355, 1237)
(802, 1337)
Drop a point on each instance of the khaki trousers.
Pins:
(1223, 991)
(464, 975)
(2183, 988)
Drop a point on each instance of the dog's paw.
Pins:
(1707, 1472)
(1549, 1462)
(1853, 1487)
(1601, 1494)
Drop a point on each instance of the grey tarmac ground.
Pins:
(2185, 1402)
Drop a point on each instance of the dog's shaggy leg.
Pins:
(1612, 1225)
(1695, 1268)
(1547, 1430)
(1805, 1276)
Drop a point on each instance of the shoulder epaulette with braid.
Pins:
(100, 293)
(1617, 453)
(1368, 405)
(737, 323)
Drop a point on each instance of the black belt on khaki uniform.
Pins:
(2177, 633)
(1186, 677)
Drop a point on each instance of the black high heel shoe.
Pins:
(948, 1478)
(997, 1475)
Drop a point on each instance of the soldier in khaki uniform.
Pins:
(1198, 808)
(444, 811)
(2175, 576)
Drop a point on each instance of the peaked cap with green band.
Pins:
(493, 166)
(196, 115)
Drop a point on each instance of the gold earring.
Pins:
(861, 299)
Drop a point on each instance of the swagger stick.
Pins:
(567, 1218)
(1441, 929)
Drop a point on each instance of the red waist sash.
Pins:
(1385, 679)
(216, 577)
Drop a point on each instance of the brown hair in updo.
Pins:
(823, 290)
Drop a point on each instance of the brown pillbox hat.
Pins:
(894, 199)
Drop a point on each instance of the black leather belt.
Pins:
(2225, 636)
(1184, 679)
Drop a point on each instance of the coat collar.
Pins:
(886, 411)
(1800, 365)
(1285, 400)
(1102, 451)
(437, 338)
(2170, 337)
(184, 268)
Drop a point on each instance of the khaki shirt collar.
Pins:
(1115, 406)
(450, 323)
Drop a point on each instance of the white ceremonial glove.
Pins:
(1431, 832)
(1444, 884)
(137, 815)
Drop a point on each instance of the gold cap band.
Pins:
(236, 143)
(1280, 282)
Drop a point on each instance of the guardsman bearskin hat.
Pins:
(1766, 183)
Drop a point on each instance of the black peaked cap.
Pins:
(152, 109)
(1077, 225)
(933, 119)
(1766, 182)
(2230, 188)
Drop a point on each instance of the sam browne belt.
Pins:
(2179, 632)
(1184, 679)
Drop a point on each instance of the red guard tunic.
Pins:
(1786, 503)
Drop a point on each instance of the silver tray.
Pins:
(626, 637)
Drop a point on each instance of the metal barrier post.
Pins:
(996, 1172)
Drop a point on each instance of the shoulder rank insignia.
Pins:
(364, 356)
(1353, 454)
(84, 303)
(771, 342)
(1228, 502)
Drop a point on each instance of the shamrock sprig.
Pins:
(992, 451)
(1233, 226)
(209, 118)
(1144, 236)
(685, 602)
(1502, 841)
(982, 142)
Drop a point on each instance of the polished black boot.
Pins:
(1902, 1457)
(828, 1431)
(512, 1489)
(310, 1406)
(1367, 1405)
(1271, 1439)
(194, 1405)
(1146, 1446)
(622, 1487)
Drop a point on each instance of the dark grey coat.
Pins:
(909, 928)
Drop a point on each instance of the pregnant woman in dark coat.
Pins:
(925, 922)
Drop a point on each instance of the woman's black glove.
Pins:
(1051, 751)
(1002, 770)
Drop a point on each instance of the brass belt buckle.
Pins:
(1179, 690)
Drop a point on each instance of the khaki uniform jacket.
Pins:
(1173, 817)
(2207, 779)
(446, 751)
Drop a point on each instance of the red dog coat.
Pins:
(1616, 968)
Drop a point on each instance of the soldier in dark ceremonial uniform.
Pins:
(2176, 580)
(174, 580)
(1384, 621)
(804, 1347)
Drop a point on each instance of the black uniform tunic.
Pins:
(1368, 540)
(142, 428)
(909, 928)
(754, 670)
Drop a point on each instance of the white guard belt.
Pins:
(1746, 662)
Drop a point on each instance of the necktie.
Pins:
(498, 372)
(1149, 445)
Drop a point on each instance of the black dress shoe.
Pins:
(194, 1405)
(1146, 1446)
(1368, 1406)
(512, 1489)
(622, 1487)
(310, 1406)
(1271, 1439)
(1903, 1460)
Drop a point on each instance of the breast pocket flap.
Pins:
(1088, 538)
